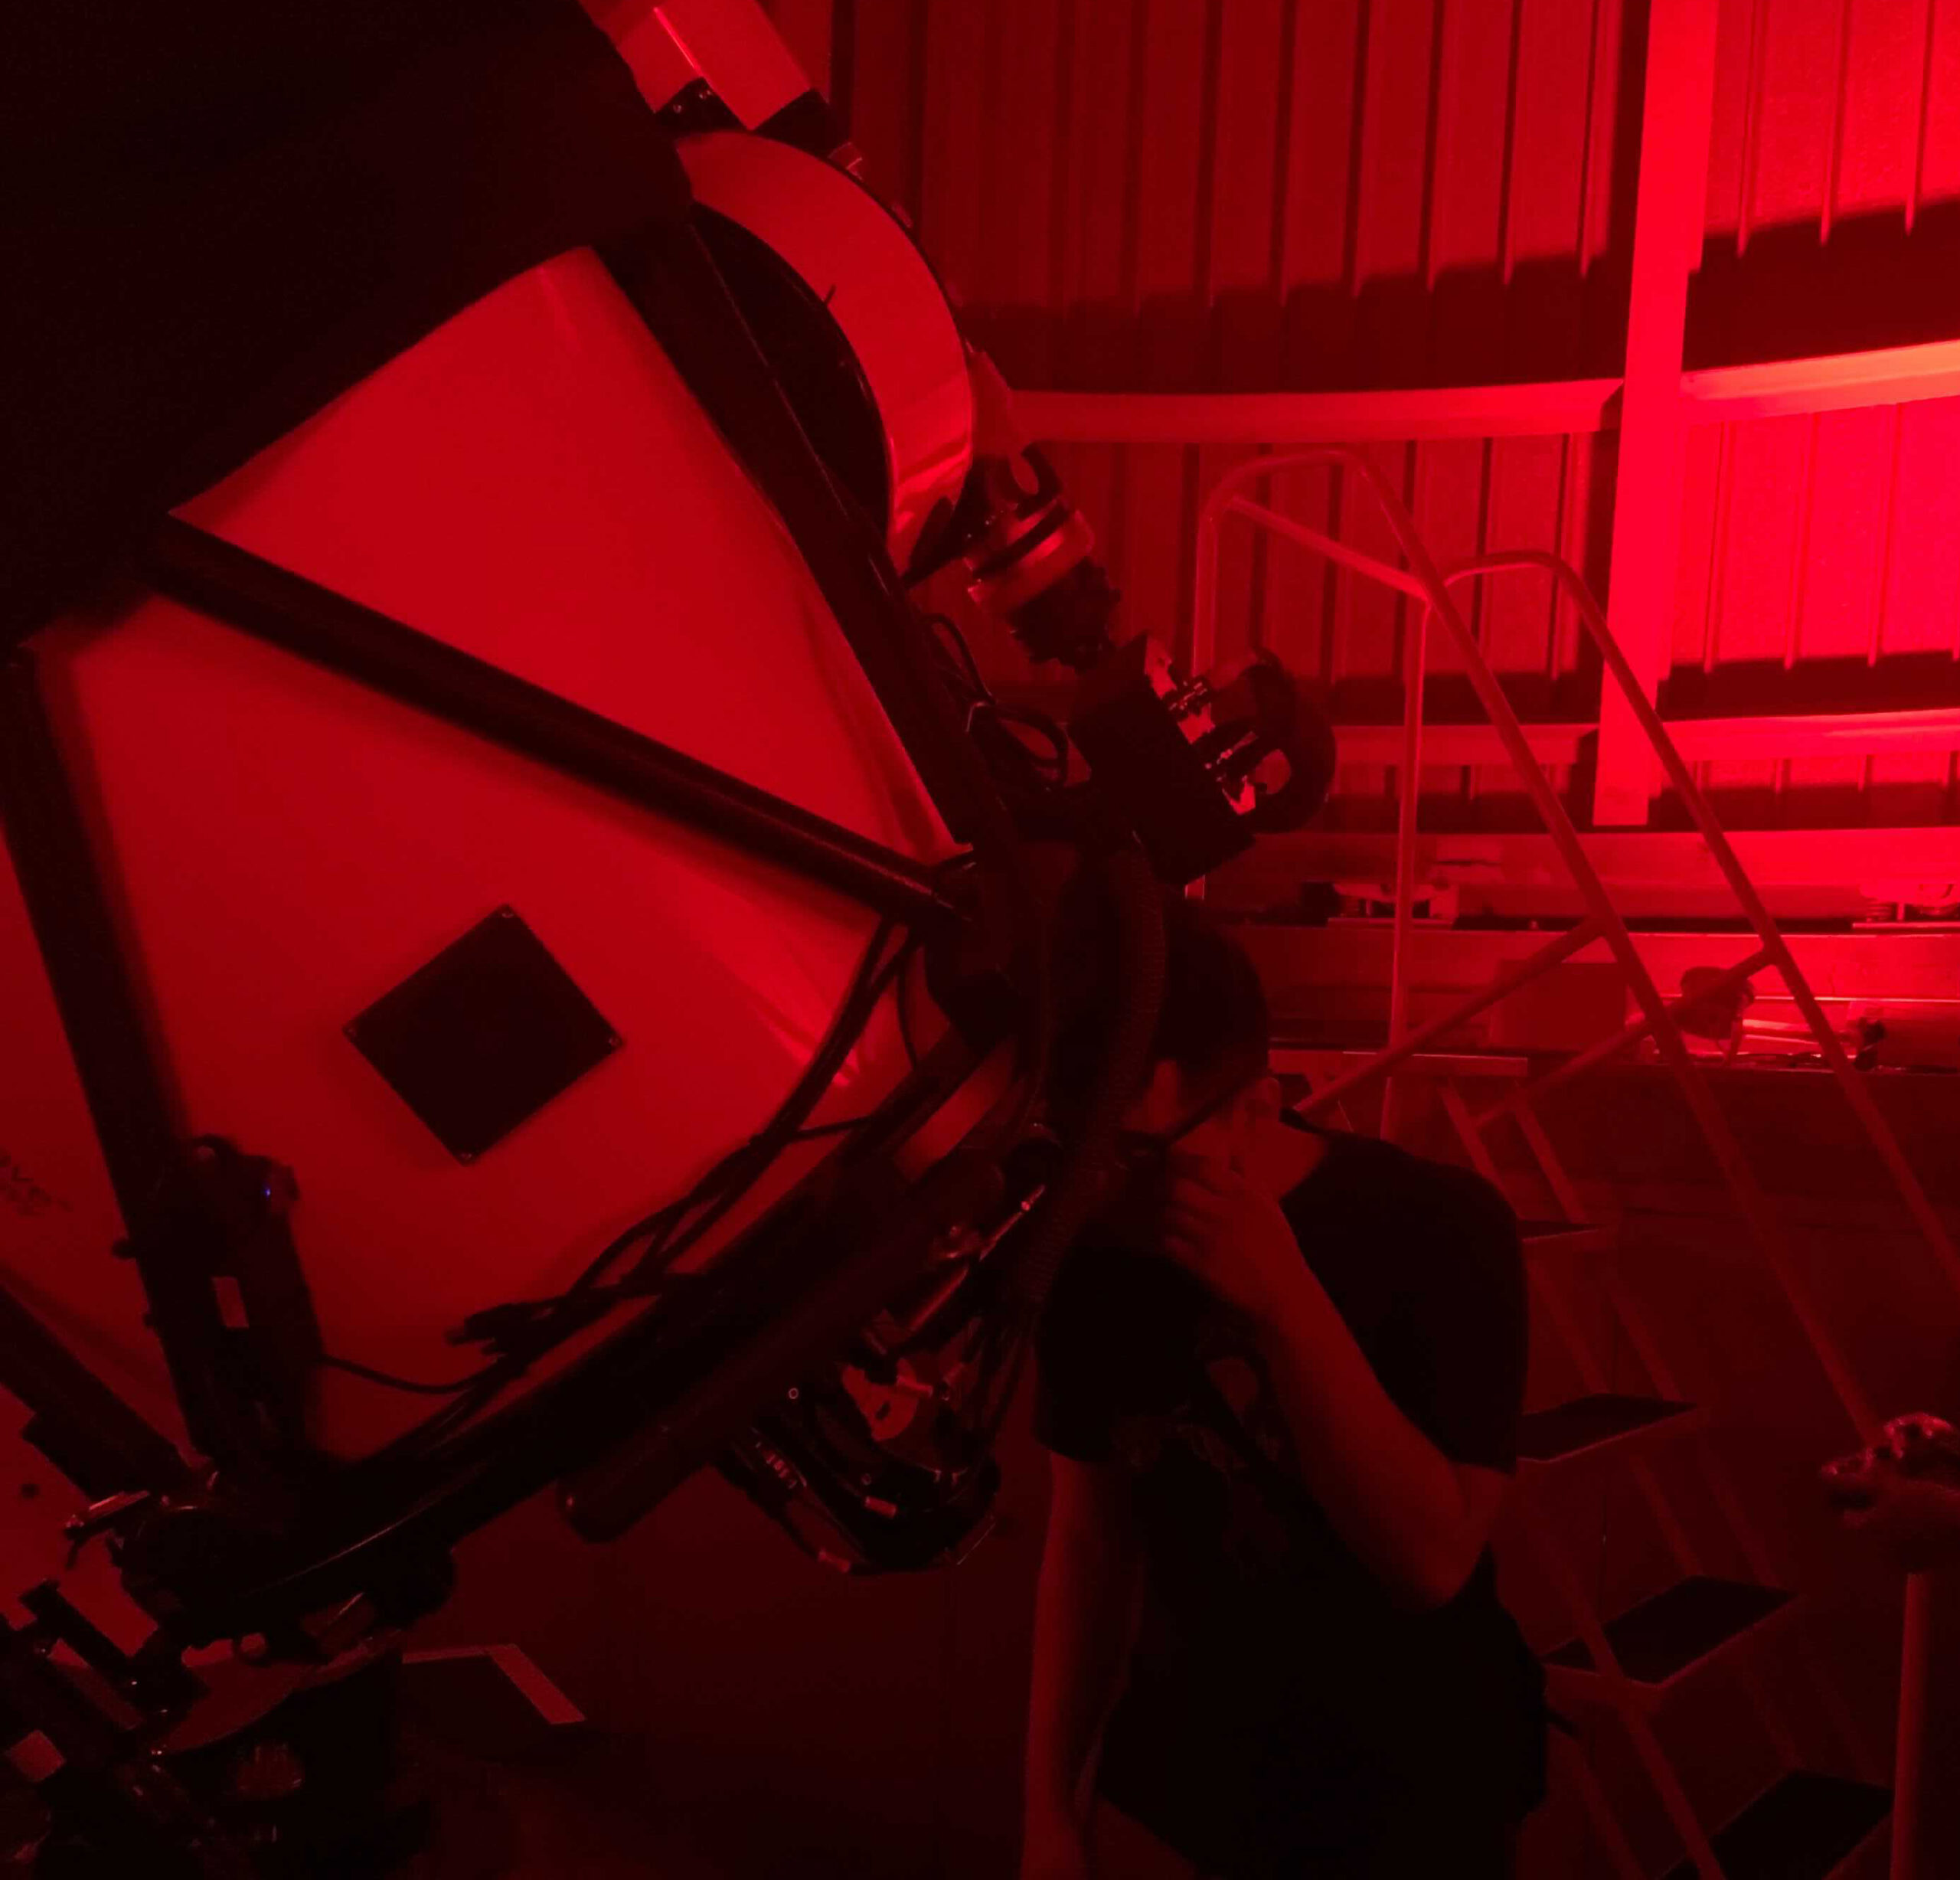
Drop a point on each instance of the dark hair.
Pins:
(1213, 1012)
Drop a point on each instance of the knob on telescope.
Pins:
(1200, 765)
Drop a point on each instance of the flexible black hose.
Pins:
(1079, 1186)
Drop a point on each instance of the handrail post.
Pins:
(1414, 670)
(1748, 1192)
(1877, 1131)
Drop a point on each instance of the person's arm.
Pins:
(1084, 1617)
(1417, 1519)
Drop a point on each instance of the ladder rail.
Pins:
(1606, 1824)
(1634, 1030)
(1863, 1755)
(1423, 580)
(1520, 973)
(1626, 1702)
(1749, 1195)
(1593, 1375)
(1912, 1192)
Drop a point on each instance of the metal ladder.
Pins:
(1634, 1661)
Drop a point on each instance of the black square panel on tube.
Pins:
(484, 1036)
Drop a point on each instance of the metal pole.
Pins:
(130, 1105)
(1925, 1802)
(673, 284)
(88, 1432)
(1850, 1079)
(1520, 973)
(1414, 666)
(1634, 1030)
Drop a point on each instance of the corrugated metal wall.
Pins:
(1189, 194)
(1168, 194)
(1826, 109)
(1820, 571)
(1183, 193)
(1821, 562)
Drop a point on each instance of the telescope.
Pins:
(534, 952)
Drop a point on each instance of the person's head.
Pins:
(1207, 1087)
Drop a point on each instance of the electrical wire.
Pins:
(1008, 1341)
(838, 1128)
(847, 1025)
(768, 1144)
(946, 623)
(984, 709)
(1056, 763)
(905, 1037)
(533, 1328)
(669, 1231)
(720, 1189)
(416, 1385)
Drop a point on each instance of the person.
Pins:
(1279, 1383)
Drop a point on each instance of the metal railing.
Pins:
(1431, 588)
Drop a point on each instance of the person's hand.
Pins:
(1902, 1494)
(1056, 1848)
(1233, 1236)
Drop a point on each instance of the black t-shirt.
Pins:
(1281, 1707)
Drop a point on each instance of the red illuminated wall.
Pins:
(1170, 195)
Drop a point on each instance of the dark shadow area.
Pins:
(1548, 322)
(1902, 804)
(1549, 319)
(1449, 698)
(1789, 294)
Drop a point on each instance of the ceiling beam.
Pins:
(1839, 381)
(1807, 734)
(1559, 408)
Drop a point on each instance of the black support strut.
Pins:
(129, 1101)
(274, 604)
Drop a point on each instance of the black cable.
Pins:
(720, 1189)
(540, 1325)
(830, 1129)
(846, 1025)
(905, 1024)
(762, 1148)
(725, 1184)
(534, 1327)
(989, 721)
(972, 666)
(986, 697)
(1045, 727)
(394, 1383)
(1009, 1340)
(1138, 973)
